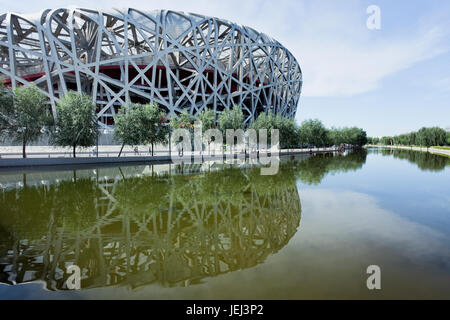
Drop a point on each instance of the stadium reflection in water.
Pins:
(169, 225)
(210, 231)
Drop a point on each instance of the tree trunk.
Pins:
(24, 155)
(74, 147)
(170, 147)
(152, 149)
(120, 152)
(121, 173)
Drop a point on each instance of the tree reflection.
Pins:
(314, 169)
(424, 160)
(168, 229)
(134, 226)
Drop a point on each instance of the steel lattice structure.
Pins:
(179, 60)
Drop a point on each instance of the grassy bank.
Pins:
(442, 148)
(442, 151)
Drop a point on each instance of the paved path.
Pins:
(15, 152)
(431, 150)
(58, 152)
(42, 156)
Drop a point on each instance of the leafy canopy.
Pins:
(287, 127)
(231, 119)
(23, 113)
(313, 132)
(76, 124)
(137, 124)
(207, 118)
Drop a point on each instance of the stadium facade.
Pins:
(179, 60)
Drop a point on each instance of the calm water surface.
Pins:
(224, 231)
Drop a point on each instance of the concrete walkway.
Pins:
(42, 159)
(15, 152)
(430, 150)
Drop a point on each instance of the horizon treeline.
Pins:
(427, 137)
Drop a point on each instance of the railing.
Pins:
(113, 151)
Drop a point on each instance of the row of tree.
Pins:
(310, 133)
(427, 137)
(314, 133)
(25, 116)
(22, 114)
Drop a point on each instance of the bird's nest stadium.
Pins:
(176, 59)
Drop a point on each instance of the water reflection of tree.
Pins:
(314, 169)
(424, 160)
(169, 229)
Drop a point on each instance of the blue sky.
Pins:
(387, 81)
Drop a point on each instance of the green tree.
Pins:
(263, 121)
(268, 121)
(439, 136)
(313, 132)
(208, 120)
(287, 127)
(334, 136)
(183, 120)
(387, 140)
(23, 114)
(76, 123)
(128, 125)
(6, 110)
(424, 137)
(140, 124)
(231, 119)
(288, 133)
(358, 136)
(154, 131)
(427, 137)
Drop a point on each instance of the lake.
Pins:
(223, 231)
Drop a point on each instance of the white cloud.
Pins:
(339, 56)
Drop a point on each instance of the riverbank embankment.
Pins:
(423, 149)
(83, 159)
